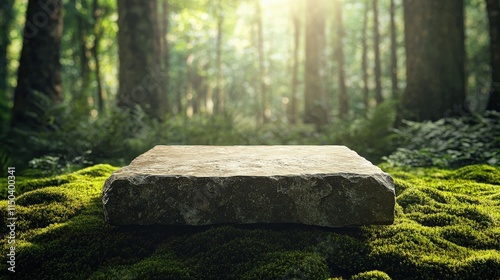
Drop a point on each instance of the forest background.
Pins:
(413, 83)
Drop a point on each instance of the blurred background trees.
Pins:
(138, 73)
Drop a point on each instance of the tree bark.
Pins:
(394, 54)
(376, 47)
(141, 74)
(315, 111)
(339, 57)
(83, 32)
(39, 67)
(493, 8)
(95, 53)
(79, 85)
(262, 67)
(435, 57)
(295, 70)
(165, 50)
(6, 20)
(364, 60)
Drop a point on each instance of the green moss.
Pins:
(147, 269)
(447, 227)
(478, 173)
(290, 265)
(371, 275)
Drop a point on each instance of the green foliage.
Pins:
(371, 137)
(73, 143)
(450, 142)
(447, 227)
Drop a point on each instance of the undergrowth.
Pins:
(447, 227)
(449, 142)
(67, 143)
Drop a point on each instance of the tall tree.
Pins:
(364, 59)
(394, 53)
(262, 67)
(376, 47)
(165, 50)
(315, 110)
(80, 85)
(141, 74)
(218, 92)
(6, 19)
(493, 8)
(39, 71)
(295, 68)
(435, 56)
(96, 12)
(339, 58)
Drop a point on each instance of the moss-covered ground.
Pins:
(447, 227)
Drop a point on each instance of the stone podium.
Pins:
(329, 186)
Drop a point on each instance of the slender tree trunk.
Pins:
(493, 8)
(262, 67)
(83, 31)
(179, 93)
(295, 71)
(376, 47)
(141, 73)
(339, 57)
(435, 58)
(165, 50)
(80, 84)
(39, 67)
(315, 111)
(189, 87)
(95, 53)
(6, 20)
(364, 60)
(394, 54)
(218, 102)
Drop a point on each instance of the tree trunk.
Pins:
(364, 60)
(83, 32)
(165, 50)
(262, 67)
(394, 54)
(189, 87)
(339, 57)
(376, 47)
(6, 20)
(141, 73)
(435, 56)
(95, 53)
(218, 107)
(295, 71)
(79, 85)
(39, 67)
(493, 8)
(315, 111)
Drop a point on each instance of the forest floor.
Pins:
(447, 227)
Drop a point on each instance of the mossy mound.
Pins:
(447, 227)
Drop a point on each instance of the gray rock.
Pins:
(200, 185)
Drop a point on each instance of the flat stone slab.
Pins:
(328, 186)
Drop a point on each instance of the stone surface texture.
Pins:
(328, 186)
